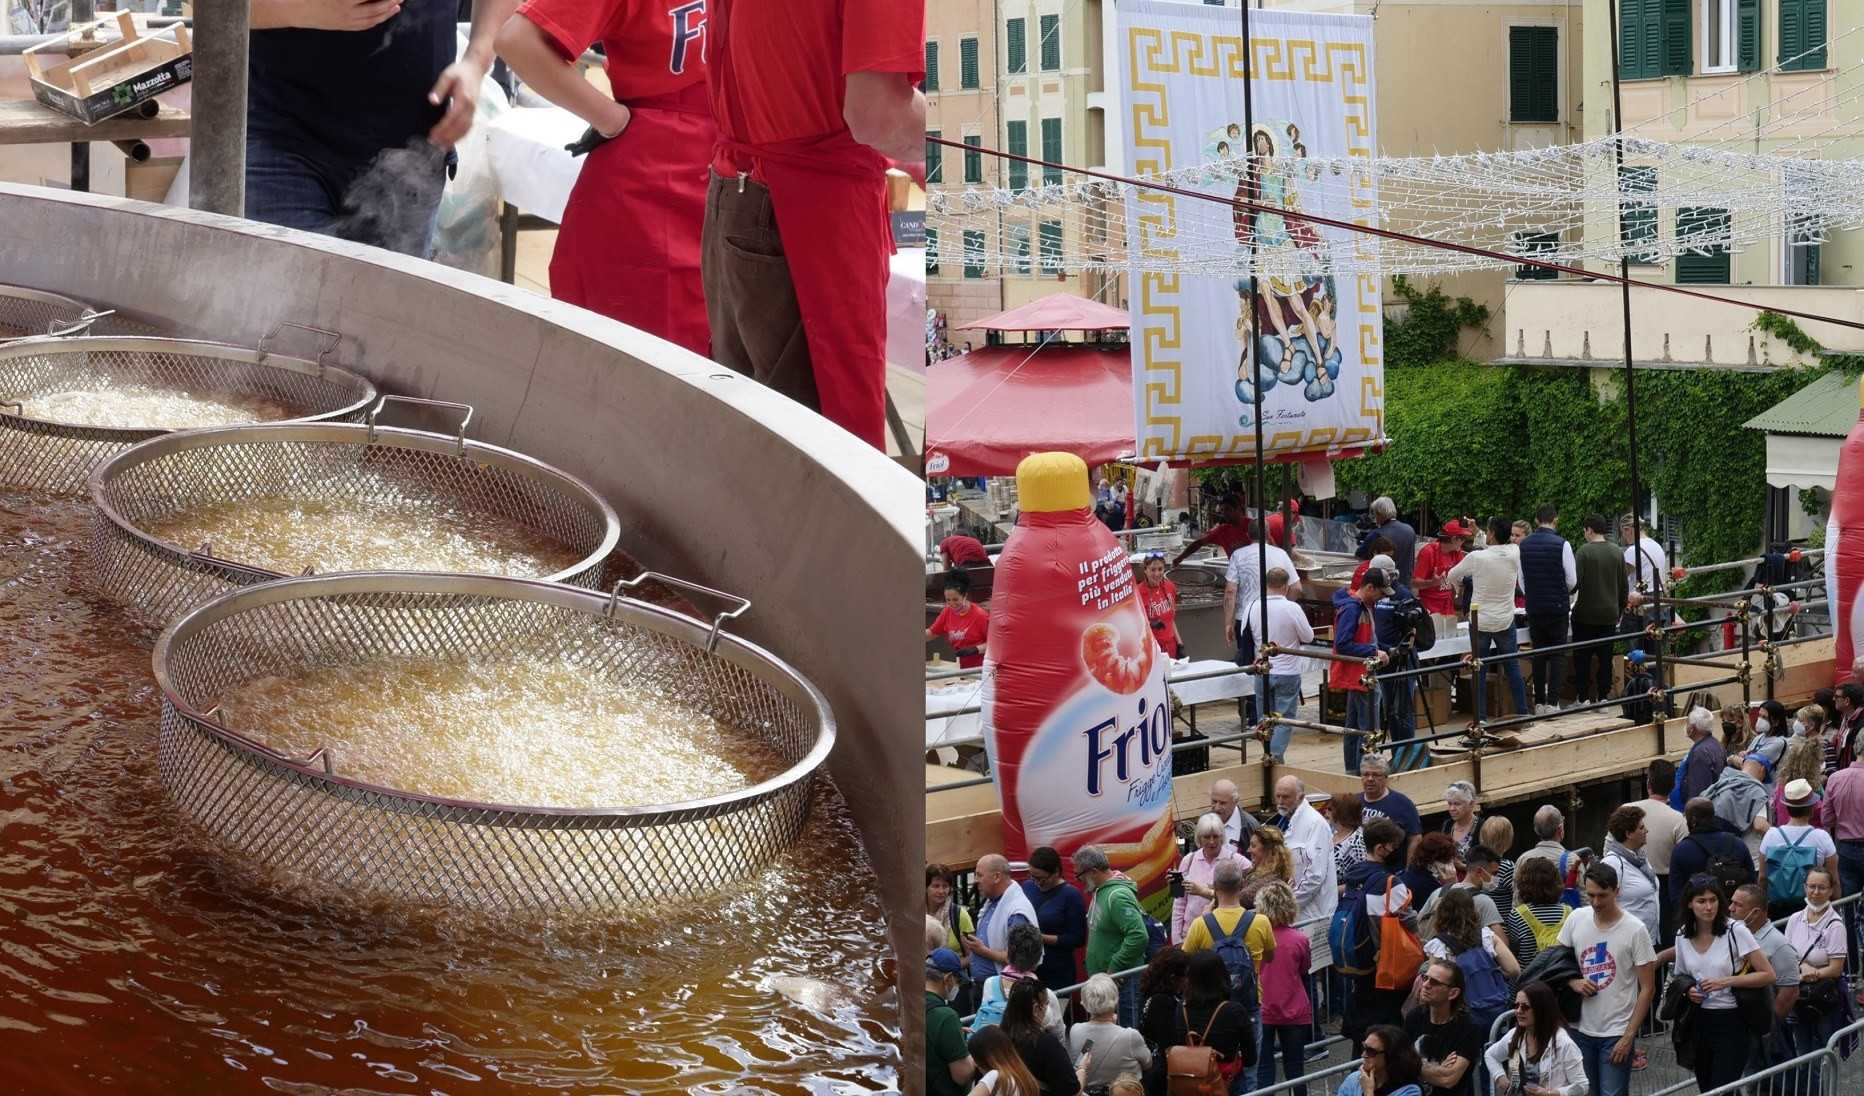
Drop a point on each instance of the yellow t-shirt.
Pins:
(1260, 939)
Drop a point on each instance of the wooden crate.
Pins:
(117, 78)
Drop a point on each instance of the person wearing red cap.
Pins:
(629, 245)
(812, 98)
(1432, 571)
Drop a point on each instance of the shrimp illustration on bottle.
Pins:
(1076, 717)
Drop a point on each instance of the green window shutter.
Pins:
(1640, 217)
(932, 250)
(1017, 46)
(1677, 56)
(967, 63)
(1812, 264)
(973, 254)
(1650, 39)
(973, 161)
(1630, 42)
(935, 158)
(1048, 246)
(1747, 35)
(1536, 243)
(1051, 42)
(1706, 262)
(931, 83)
(1051, 150)
(1802, 32)
(1019, 145)
(1533, 74)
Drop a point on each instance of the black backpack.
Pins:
(1637, 707)
(1729, 871)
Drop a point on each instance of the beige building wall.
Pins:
(956, 112)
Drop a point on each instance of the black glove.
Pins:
(966, 652)
(1158, 625)
(588, 142)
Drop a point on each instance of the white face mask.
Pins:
(1798, 727)
(952, 993)
(1761, 726)
(1818, 910)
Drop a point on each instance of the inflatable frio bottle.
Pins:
(1076, 718)
(1844, 551)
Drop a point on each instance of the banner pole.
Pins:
(1251, 350)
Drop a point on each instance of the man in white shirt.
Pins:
(1617, 979)
(1288, 627)
(1242, 598)
(1646, 564)
(1495, 570)
(1664, 827)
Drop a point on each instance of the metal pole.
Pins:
(217, 149)
(1249, 355)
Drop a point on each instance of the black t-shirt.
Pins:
(1435, 1042)
(1048, 1061)
(341, 97)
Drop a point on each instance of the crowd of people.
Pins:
(1423, 944)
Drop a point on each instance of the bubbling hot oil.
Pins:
(529, 731)
(143, 406)
(389, 529)
(137, 963)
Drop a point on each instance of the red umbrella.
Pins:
(1055, 312)
(990, 408)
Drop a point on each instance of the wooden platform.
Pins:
(1557, 752)
(28, 122)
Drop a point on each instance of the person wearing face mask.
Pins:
(1817, 937)
(1771, 731)
(949, 1067)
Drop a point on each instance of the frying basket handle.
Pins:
(335, 339)
(319, 756)
(79, 326)
(464, 419)
(205, 555)
(718, 622)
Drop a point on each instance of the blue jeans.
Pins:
(1289, 1041)
(1851, 880)
(1358, 717)
(1603, 1077)
(1129, 1002)
(1505, 642)
(1808, 1034)
(1284, 699)
(392, 202)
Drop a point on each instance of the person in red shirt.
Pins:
(629, 243)
(1159, 596)
(1430, 573)
(1230, 533)
(965, 626)
(960, 551)
(812, 98)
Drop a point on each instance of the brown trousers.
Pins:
(757, 327)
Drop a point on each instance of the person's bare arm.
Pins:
(963, 1070)
(885, 112)
(536, 61)
(321, 14)
(458, 86)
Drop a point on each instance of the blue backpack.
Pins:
(990, 1009)
(1787, 865)
(1349, 935)
(1485, 989)
(1233, 949)
(1155, 935)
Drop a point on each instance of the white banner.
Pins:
(1303, 355)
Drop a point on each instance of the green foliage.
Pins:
(1809, 501)
(1430, 327)
(1784, 329)
(1484, 440)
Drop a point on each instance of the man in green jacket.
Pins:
(1598, 604)
(949, 1068)
(1116, 926)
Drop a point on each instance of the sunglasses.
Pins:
(1439, 982)
(1371, 1052)
(1154, 554)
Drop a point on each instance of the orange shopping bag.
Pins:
(1400, 955)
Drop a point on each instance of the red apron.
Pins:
(629, 244)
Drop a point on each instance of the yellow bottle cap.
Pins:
(1048, 483)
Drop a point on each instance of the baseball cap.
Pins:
(1383, 562)
(944, 961)
(1635, 655)
(1376, 577)
(1454, 528)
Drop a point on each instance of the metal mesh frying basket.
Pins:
(304, 816)
(31, 313)
(39, 455)
(329, 462)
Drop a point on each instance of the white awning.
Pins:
(1802, 460)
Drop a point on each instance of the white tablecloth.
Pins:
(535, 175)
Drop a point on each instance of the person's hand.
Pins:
(1229, 633)
(1636, 599)
(1086, 1061)
(1695, 993)
(342, 14)
(1621, 1050)
(458, 88)
(1582, 987)
(1713, 984)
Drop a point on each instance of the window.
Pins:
(1718, 35)
(1653, 39)
(1019, 248)
(932, 251)
(1704, 235)
(1016, 47)
(967, 63)
(1802, 35)
(1051, 150)
(931, 83)
(1533, 74)
(973, 160)
(935, 158)
(1804, 231)
(1536, 243)
(1018, 134)
(1051, 42)
(973, 254)
(1640, 216)
(1048, 243)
